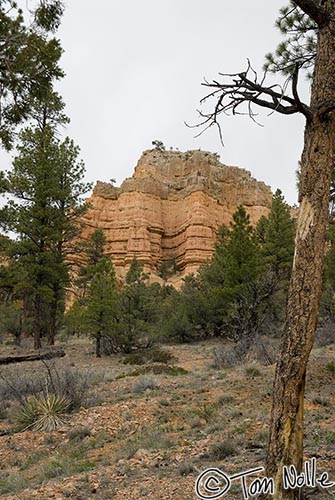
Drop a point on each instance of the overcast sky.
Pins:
(134, 71)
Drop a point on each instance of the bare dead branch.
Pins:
(239, 90)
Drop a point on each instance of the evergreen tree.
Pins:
(46, 181)
(93, 268)
(278, 246)
(74, 319)
(139, 309)
(174, 322)
(68, 202)
(92, 251)
(14, 310)
(232, 288)
(135, 274)
(29, 60)
(261, 229)
(241, 254)
(327, 310)
(243, 290)
(185, 315)
(276, 235)
(101, 315)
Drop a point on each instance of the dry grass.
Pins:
(159, 428)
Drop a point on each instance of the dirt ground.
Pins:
(149, 436)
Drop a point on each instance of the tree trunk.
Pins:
(37, 323)
(18, 331)
(52, 327)
(98, 345)
(287, 426)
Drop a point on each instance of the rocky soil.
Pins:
(148, 436)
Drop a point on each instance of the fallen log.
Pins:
(32, 357)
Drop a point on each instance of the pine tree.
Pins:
(278, 246)
(101, 314)
(14, 314)
(243, 288)
(135, 274)
(138, 308)
(327, 310)
(241, 252)
(69, 189)
(93, 252)
(231, 284)
(29, 61)
(276, 236)
(46, 182)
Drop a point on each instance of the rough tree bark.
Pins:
(98, 345)
(287, 425)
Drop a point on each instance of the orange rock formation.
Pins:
(171, 209)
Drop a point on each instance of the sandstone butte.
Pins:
(170, 210)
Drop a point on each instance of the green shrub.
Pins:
(225, 399)
(144, 356)
(330, 437)
(65, 466)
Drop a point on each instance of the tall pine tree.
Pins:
(278, 239)
(232, 283)
(101, 313)
(276, 236)
(29, 61)
(47, 185)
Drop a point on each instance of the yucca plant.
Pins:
(43, 413)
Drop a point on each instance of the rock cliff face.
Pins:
(170, 210)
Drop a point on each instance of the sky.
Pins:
(134, 71)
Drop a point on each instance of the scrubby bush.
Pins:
(43, 397)
(226, 356)
(42, 413)
(223, 449)
(325, 334)
(153, 355)
(252, 371)
(144, 384)
(186, 468)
